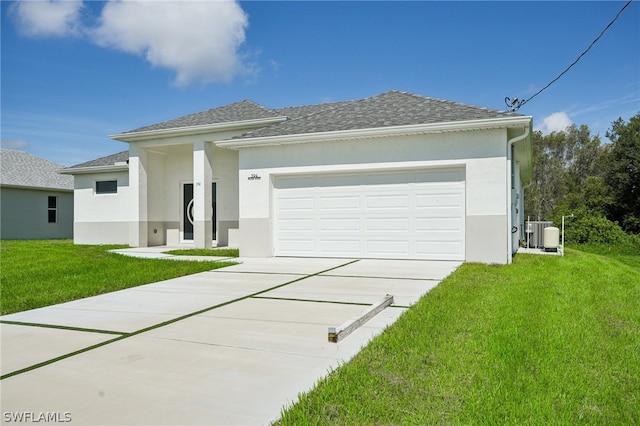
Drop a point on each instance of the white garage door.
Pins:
(397, 215)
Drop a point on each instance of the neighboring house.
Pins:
(395, 175)
(35, 201)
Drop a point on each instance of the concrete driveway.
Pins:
(226, 347)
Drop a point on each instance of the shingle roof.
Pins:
(19, 168)
(394, 108)
(239, 111)
(109, 160)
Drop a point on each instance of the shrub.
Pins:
(587, 227)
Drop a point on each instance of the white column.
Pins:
(202, 209)
(138, 185)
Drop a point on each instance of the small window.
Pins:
(107, 187)
(52, 209)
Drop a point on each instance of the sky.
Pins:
(74, 72)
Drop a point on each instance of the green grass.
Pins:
(628, 254)
(41, 273)
(221, 252)
(548, 340)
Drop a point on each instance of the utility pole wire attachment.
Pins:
(514, 104)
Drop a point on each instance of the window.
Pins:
(107, 187)
(52, 209)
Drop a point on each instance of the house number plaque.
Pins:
(254, 177)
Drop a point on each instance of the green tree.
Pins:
(622, 173)
(547, 184)
(566, 173)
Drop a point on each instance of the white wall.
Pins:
(481, 153)
(101, 218)
(106, 218)
(169, 167)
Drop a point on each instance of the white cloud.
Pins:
(199, 40)
(556, 122)
(48, 17)
(15, 144)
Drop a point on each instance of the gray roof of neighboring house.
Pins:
(22, 169)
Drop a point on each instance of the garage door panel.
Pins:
(387, 248)
(292, 224)
(439, 224)
(340, 247)
(346, 202)
(425, 201)
(413, 215)
(386, 224)
(340, 224)
(297, 247)
(387, 202)
(437, 237)
(297, 204)
(444, 250)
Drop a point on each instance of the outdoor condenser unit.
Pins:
(535, 233)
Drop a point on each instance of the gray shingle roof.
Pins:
(239, 111)
(109, 160)
(394, 108)
(19, 168)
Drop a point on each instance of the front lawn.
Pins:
(547, 340)
(41, 273)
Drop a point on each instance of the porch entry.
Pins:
(187, 211)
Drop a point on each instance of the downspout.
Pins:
(510, 144)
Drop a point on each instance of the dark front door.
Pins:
(187, 210)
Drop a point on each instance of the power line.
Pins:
(515, 104)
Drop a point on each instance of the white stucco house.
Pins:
(36, 203)
(396, 175)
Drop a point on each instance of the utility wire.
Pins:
(515, 104)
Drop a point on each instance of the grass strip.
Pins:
(61, 357)
(546, 340)
(292, 299)
(62, 327)
(336, 302)
(42, 273)
(162, 324)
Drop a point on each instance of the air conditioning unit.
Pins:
(535, 233)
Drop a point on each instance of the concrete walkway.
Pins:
(225, 347)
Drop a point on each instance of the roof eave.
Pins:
(453, 126)
(93, 169)
(38, 188)
(195, 130)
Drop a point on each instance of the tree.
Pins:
(566, 173)
(622, 174)
(547, 184)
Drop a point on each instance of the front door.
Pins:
(187, 211)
